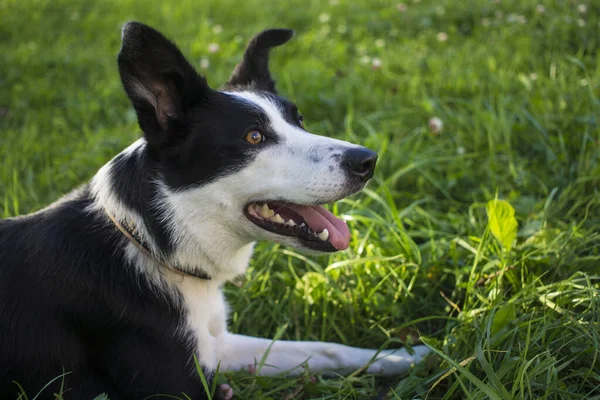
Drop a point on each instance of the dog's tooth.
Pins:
(291, 223)
(277, 218)
(302, 225)
(265, 212)
(324, 235)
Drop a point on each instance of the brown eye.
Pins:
(254, 137)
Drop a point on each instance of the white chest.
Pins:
(206, 316)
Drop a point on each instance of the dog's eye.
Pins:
(301, 121)
(254, 137)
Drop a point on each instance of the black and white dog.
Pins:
(116, 287)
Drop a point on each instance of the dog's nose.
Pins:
(360, 162)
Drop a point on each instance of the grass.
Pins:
(516, 84)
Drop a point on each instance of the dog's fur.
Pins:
(81, 303)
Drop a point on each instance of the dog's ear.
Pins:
(253, 70)
(159, 81)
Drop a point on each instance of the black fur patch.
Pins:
(68, 303)
(133, 179)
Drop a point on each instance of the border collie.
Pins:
(117, 287)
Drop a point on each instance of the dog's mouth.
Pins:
(318, 228)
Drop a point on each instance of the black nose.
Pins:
(360, 162)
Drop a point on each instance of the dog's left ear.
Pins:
(253, 70)
(161, 84)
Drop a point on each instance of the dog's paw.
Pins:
(398, 361)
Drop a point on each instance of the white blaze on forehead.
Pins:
(287, 131)
(275, 114)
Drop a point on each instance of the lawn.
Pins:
(511, 311)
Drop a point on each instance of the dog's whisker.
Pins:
(283, 206)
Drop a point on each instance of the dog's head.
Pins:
(238, 159)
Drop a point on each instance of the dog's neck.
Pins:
(182, 229)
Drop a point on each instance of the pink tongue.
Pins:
(318, 218)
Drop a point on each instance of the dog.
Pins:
(116, 288)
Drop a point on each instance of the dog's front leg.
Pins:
(238, 352)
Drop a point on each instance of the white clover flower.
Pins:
(540, 8)
(460, 150)
(582, 8)
(226, 391)
(380, 43)
(580, 22)
(401, 7)
(435, 125)
(204, 63)
(217, 29)
(324, 18)
(442, 36)
(213, 48)
(376, 63)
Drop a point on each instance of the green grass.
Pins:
(518, 92)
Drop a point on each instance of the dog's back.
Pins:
(71, 306)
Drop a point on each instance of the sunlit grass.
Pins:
(516, 86)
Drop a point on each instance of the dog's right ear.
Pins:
(159, 81)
